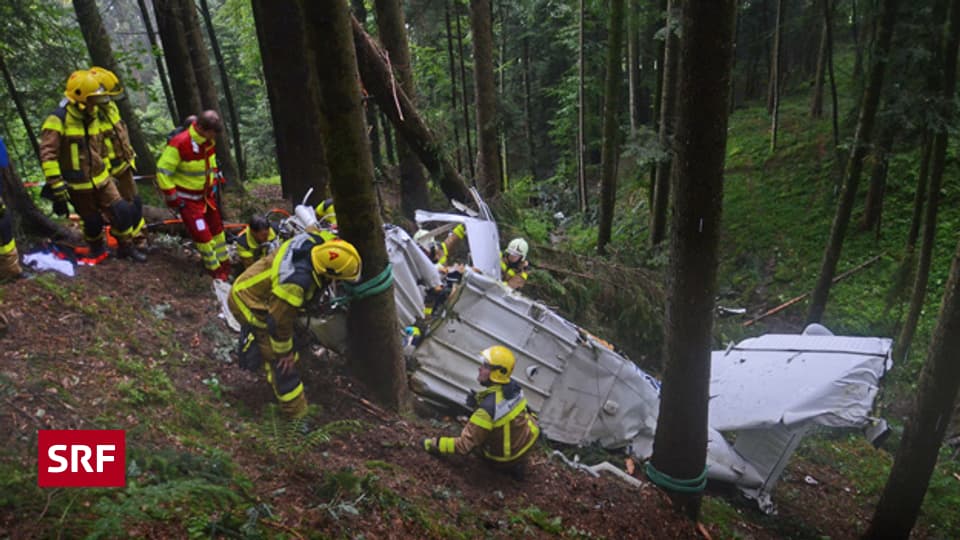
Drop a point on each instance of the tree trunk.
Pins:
(227, 94)
(633, 63)
(369, 108)
(393, 36)
(776, 57)
(861, 141)
(926, 149)
(376, 78)
(668, 97)
(835, 112)
(101, 53)
(816, 101)
(528, 110)
(611, 126)
(294, 100)
(873, 206)
(581, 113)
(453, 84)
(209, 98)
(387, 137)
(373, 348)
(464, 101)
(923, 433)
(175, 117)
(18, 103)
(176, 51)
(937, 165)
(488, 166)
(706, 52)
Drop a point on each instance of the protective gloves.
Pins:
(60, 208)
(431, 446)
(472, 400)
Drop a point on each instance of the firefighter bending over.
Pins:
(267, 297)
(501, 424)
(257, 240)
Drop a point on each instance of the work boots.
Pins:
(130, 251)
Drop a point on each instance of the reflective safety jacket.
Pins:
(72, 147)
(271, 292)
(502, 426)
(515, 275)
(188, 167)
(250, 250)
(117, 139)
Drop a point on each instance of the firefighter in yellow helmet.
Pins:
(501, 424)
(267, 297)
(75, 162)
(121, 154)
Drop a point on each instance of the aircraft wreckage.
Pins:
(766, 392)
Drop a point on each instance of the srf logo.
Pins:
(82, 458)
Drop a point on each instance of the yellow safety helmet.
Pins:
(326, 212)
(336, 259)
(81, 86)
(108, 79)
(501, 361)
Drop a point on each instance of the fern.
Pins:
(292, 438)
(156, 502)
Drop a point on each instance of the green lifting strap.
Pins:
(377, 285)
(693, 485)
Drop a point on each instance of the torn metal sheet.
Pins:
(767, 392)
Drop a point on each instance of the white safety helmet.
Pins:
(423, 239)
(518, 246)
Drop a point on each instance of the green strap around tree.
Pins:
(377, 285)
(693, 485)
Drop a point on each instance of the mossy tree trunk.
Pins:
(488, 164)
(667, 109)
(861, 141)
(176, 51)
(372, 333)
(393, 36)
(294, 100)
(611, 125)
(706, 53)
(101, 53)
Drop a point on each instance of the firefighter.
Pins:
(514, 267)
(256, 241)
(439, 252)
(326, 215)
(501, 424)
(9, 259)
(187, 175)
(74, 157)
(267, 297)
(122, 157)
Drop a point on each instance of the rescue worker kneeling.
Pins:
(501, 424)
(267, 297)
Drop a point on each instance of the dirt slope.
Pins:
(140, 348)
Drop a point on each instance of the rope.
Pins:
(377, 285)
(693, 485)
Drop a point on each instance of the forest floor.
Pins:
(140, 347)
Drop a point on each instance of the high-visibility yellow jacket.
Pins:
(72, 148)
(117, 139)
(187, 168)
(271, 292)
(250, 250)
(502, 426)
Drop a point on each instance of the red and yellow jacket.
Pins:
(188, 167)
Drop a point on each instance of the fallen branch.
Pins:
(794, 300)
